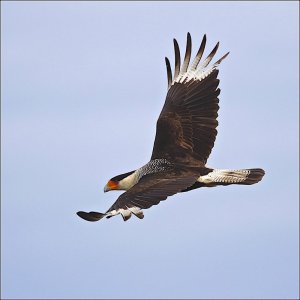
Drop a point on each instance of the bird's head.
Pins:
(120, 182)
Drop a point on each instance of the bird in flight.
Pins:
(185, 135)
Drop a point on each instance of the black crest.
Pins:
(122, 176)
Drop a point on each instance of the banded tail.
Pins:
(226, 177)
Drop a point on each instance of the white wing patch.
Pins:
(126, 213)
(193, 72)
(191, 75)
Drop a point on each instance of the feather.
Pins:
(199, 54)
(169, 72)
(187, 56)
(219, 61)
(177, 59)
(210, 56)
(92, 216)
(126, 214)
(137, 212)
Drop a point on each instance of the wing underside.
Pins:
(149, 191)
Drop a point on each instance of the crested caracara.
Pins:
(185, 135)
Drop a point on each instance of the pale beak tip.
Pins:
(106, 189)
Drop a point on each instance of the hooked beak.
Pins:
(106, 188)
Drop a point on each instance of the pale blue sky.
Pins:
(82, 86)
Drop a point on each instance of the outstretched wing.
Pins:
(149, 191)
(186, 128)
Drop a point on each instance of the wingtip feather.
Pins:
(91, 216)
(169, 72)
(187, 56)
(220, 60)
(177, 58)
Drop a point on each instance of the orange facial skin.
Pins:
(112, 185)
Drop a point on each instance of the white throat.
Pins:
(128, 182)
